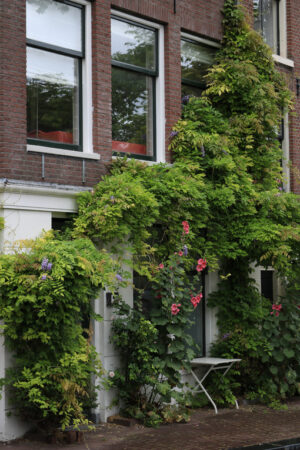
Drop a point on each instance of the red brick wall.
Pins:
(195, 16)
(201, 17)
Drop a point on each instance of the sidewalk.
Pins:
(230, 428)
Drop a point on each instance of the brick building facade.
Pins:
(43, 165)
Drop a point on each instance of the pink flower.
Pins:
(180, 253)
(276, 308)
(201, 265)
(175, 308)
(186, 227)
(196, 300)
(161, 266)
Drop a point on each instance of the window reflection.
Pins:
(54, 23)
(52, 96)
(134, 45)
(132, 112)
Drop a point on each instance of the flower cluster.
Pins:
(277, 308)
(186, 227)
(46, 265)
(201, 265)
(196, 300)
(175, 308)
(119, 277)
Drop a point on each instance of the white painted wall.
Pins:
(27, 211)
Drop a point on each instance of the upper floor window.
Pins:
(55, 54)
(267, 22)
(135, 79)
(196, 58)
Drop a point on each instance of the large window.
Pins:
(266, 22)
(196, 58)
(55, 52)
(134, 77)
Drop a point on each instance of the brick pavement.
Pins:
(230, 428)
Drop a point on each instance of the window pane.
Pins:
(132, 44)
(54, 23)
(52, 97)
(265, 20)
(266, 279)
(132, 112)
(195, 60)
(191, 91)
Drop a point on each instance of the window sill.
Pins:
(284, 61)
(61, 152)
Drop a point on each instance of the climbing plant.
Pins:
(227, 181)
(46, 289)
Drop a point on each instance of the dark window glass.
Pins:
(196, 58)
(134, 73)
(133, 44)
(266, 21)
(132, 112)
(191, 91)
(143, 294)
(52, 96)
(267, 284)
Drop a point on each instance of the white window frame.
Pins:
(87, 104)
(159, 86)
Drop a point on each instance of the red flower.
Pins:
(186, 227)
(175, 308)
(201, 264)
(161, 266)
(196, 300)
(180, 253)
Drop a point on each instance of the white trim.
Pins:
(136, 19)
(36, 198)
(201, 40)
(284, 61)
(87, 104)
(160, 85)
(60, 151)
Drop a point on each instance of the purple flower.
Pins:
(173, 134)
(118, 277)
(185, 250)
(225, 336)
(44, 264)
(112, 199)
(44, 277)
(49, 266)
(185, 99)
(202, 151)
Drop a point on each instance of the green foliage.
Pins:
(1, 223)
(226, 180)
(154, 344)
(144, 206)
(46, 289)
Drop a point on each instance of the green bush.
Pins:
(46, 289)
